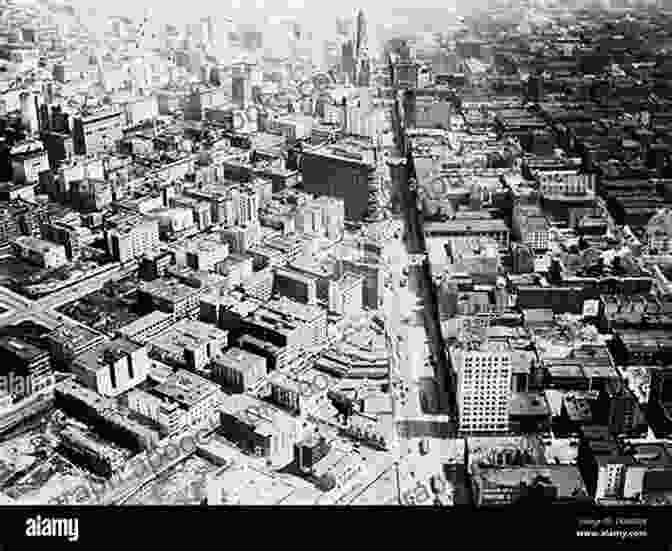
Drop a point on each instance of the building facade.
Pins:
(484, 388)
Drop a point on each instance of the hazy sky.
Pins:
(317, 16)
(312, 12)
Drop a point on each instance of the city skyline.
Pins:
(366, 256)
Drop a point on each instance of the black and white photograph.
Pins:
(297, 257)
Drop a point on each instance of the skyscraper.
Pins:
(210, 29)
(660, 400)
(361, 73)
(348, 60)
(361, 36)
(484, 388)
(29, 111)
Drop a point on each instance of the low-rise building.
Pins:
(299, 327)
(478, 227)
(295, 285)
(190, 343)
(173, 221)
(28, 160)
(295, 394)
(100, 458)
(171, 297)
(42, 253)
(113, 367)
(346, 294)
(542, 484)
(25, 369)
(145, 328)
(259, 428)
(69, 341)
(183, 400)
(132, 237)
(529, 413)
(202, 253)
(103, 414)
(309, 451)
(97, 132)
(238, 369)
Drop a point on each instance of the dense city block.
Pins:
(362, 263)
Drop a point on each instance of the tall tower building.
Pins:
(361, 35)
(209, 31)
(100, 67)
(241, 91)
(30, 111)
(659, 411)
(483, 388)
(348, 60)
(361, 73)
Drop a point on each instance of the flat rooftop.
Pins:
(466, 226)
(168, 289)
(189, 334)
(35, 244)
(566, 478)
(145, 322)
(240, 359)
(19, 348)
(291, 309)
(73, 334)
(356, 152)
(256, 412)
(186, 388)
(96, 358)
(528, 403)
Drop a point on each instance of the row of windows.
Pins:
(489, 403)
(486, 363)
(497, 375)
(484, 383)
(483, 426)
(489, 407)
(488, 400)
(492, 377)
(483, 387)
(492, 399)
(483, 417)
(487, 372)
(487, 359)
(487, 389)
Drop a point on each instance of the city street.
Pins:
(43, 311)
(83, 288)
(421, 285)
